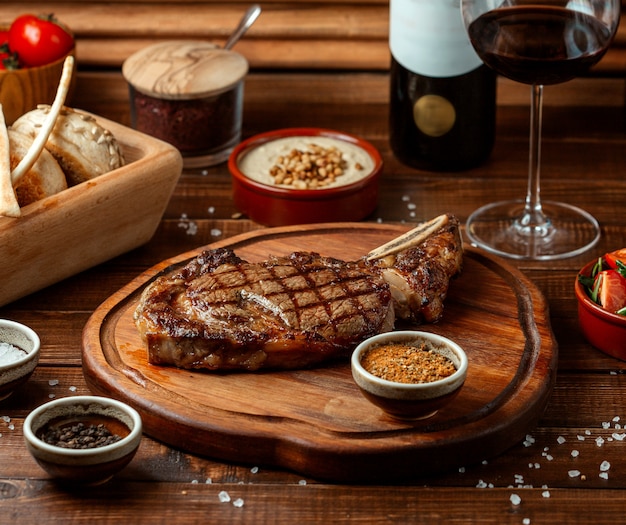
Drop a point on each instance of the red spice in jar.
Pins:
(403, 363)
(195, 126)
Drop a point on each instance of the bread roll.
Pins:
(82, 147)
(44, 179)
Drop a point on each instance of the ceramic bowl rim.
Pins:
(592, 307)
(294, 193)
(30, 334)
(461, 371)
(134, 434)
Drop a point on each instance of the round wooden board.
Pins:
(315, 421)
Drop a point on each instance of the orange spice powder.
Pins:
(407, 364)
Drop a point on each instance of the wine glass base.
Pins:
(496, 228)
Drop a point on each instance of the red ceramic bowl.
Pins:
(273, 205)
(603, 329)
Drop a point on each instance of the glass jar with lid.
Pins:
(190, 94)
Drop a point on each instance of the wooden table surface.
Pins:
(571, 468)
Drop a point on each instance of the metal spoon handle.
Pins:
(247, 20)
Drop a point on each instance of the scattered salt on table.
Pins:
(10, 353)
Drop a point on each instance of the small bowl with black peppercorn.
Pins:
(19, 355)
(305, 175)
(83, 439)
(410, 375)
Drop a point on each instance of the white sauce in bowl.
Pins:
(257, 162)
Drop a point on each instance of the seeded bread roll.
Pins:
(82, 147)
(44, 179)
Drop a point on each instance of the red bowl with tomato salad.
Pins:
(352, 196)
(602, 328)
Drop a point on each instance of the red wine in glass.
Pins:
(539, 44)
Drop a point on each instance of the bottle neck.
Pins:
(428, 37)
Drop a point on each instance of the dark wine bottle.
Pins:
(442, 98)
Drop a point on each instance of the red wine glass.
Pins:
(538, 42)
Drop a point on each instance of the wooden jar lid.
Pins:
(184, 69)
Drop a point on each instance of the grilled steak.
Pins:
(220, 312)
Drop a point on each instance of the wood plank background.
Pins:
(290, 34)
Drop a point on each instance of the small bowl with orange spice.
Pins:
(410, 375)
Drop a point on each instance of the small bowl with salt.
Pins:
(83, 440)
(410, 375)
(19, 355)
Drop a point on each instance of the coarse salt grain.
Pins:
(302, 482)
(10, 354)
(599, 441)
(223, 496)
(238, 503)
(526, 521)
(6, 419)
(545, 494)
(604, 475)
(515, 499)
(53, 382)
(604, 466)
(573, 473)
(575, 453)
(254, 470)
(560, 440)
(215, 232)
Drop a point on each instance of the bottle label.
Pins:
(428, 37)
(434, 115)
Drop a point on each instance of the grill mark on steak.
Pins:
(220, 312)
(302, 292)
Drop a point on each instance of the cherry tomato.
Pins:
(612, 257)
(611, 291)
(39, 40)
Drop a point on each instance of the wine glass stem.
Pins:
(533, 221)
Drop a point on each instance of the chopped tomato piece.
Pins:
(612, 257)
(611, 290)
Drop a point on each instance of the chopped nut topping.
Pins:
(314, 167)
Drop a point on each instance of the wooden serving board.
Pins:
(315, 421)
